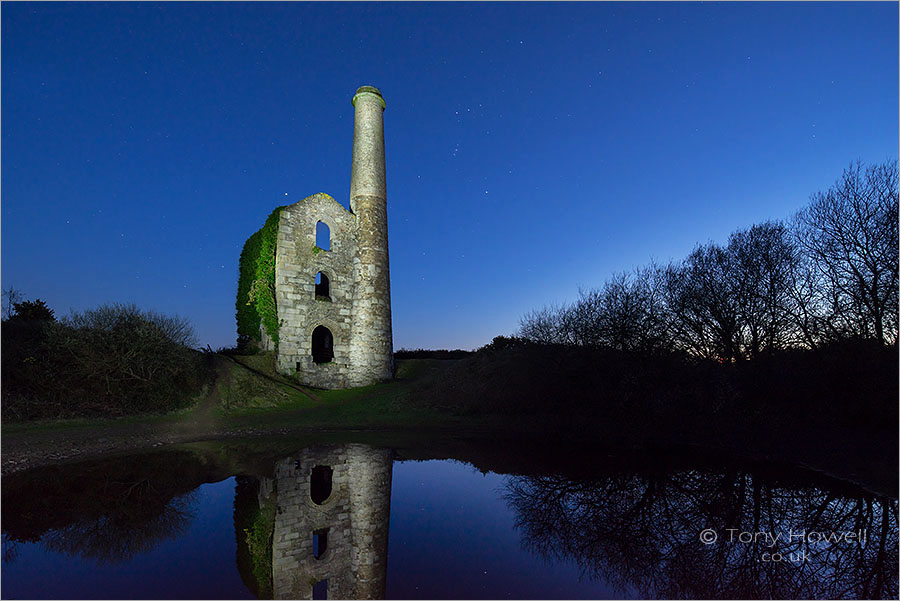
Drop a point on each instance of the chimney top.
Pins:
(369, 91)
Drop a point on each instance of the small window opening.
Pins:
(323, 236)
(320, 589)
(320, 484)
(322, 345)
(323, 287)
(320, 542)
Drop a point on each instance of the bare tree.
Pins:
(703, 305)
(808, 301)
(12, 297)
(761, 261)
(545, 325)
(585, 318)
(850, 233)
(630, 312)
(835, 275)
(738, 301)
(626, 314)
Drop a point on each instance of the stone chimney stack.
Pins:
(371, 350)
(367, 176)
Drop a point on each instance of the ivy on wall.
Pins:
(254, 525)
(256, 282)
(259, 545)
(247, 317)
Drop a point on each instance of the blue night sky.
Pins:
(531, 148)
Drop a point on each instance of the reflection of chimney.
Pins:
(352, 484)
(370, 512)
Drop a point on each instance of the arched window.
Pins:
(323, 290)
(322, 345)
(323, 236)
(320, 589)
(320, 484)
(320, 542)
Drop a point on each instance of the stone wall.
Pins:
(356, 515)
(265, 341)
(297, 261)
(358, 313)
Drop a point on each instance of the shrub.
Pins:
(113, 360)
(36, 310)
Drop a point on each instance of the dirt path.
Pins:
(203, 419)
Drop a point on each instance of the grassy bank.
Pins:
(270, 400)
(799, 409)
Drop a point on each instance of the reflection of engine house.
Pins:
(331, 523)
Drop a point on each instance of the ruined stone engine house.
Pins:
(332, 289)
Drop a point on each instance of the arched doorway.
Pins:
(322, 345)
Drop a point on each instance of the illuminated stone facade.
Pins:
(334, 305)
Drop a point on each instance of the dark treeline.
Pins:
(829, 274)
(785, 332)
(431, 354)
(113, 360)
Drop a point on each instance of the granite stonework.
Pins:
(300, 311)
(354, 519)
(358, 310)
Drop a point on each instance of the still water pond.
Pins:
(360, 521)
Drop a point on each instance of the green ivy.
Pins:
(247, 317)
(256, 282)
(259, 544)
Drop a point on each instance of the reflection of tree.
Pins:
(107, 510)
(643, 532)
(10, 549)
(124, 532)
